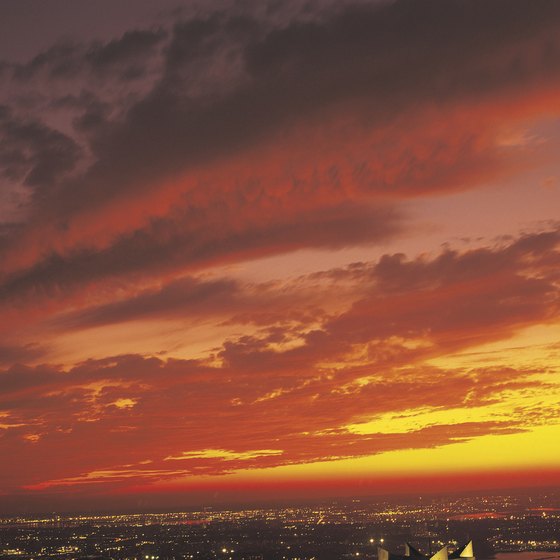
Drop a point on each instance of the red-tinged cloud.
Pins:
(365, 105)
(286, 394)
(153, 414)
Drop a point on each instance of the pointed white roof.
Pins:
(467, 551)
(441, 554)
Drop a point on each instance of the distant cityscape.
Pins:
(328, 530)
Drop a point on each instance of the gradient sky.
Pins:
(261, 249)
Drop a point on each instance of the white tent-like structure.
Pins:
(464, 552)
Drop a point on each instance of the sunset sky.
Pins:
(262, 249)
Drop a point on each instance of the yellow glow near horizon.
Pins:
(503, 453)
(534, 446)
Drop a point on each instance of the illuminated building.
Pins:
(464, 552)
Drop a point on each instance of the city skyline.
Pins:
(265, 250)
(504, 526)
